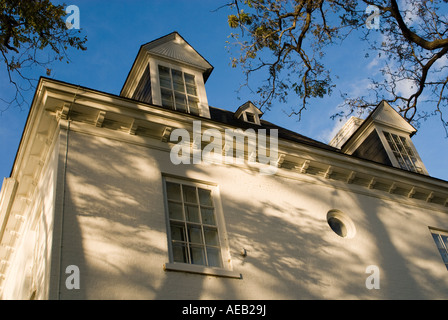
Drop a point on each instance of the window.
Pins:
(250, 117)
(193, 226)
(338, 226)
(402, 151)
(178, 90)
(341, 224)
(441, 240)
(197, 239)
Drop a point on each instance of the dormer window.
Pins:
(178, 90)
(248, 112)
(402, 151)
(250, 117)
(384, 137)
(169, 72)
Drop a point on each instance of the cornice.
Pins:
(97, 113)
(139, 119)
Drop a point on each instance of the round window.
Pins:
(341, 224)
(338, 226)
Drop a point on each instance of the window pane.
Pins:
(400, 147)
(338, 226)
(403, 140)
(441, 242)
(211, 237)
(167, 98)
(192, 214)
(444, 255)
(178, 81)
(189, 194)
(401, 162)
(178, 86)
(445, 240)
(409, 151)
(214, 257)
(177, 76)
(197, 255)
(179, 253)
(164, 71)
(409, 164)
(173, 191)
(208, 216)
(193, 104)
(191, 90)
(205, 197)
(195, 234)
(189, 79)
(250, 117)
(165, 82)
(393, 146)
(181, 102)
(175, 211)
(177, 232)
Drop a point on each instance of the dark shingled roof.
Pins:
(227, 117)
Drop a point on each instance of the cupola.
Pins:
(384, 137)
(169, 72)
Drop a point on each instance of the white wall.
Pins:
(29, 270)
(115, 232)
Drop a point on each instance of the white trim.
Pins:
(191, 268)
(200, 86)
(226, 260)
(418, 163)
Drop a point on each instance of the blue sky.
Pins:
(116, 29)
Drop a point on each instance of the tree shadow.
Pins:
(115, 232)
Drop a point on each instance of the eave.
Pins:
(145, 120)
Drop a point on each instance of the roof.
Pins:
(394, 119)
(228, 118)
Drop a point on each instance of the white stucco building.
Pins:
(96, 208)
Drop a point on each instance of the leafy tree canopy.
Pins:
(27, 29)
(288, 39)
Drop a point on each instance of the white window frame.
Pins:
(443, 249)
(200, 86)
(418, 164)
(171, 89)
(226, 270)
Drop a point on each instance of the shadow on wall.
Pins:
(109, 219)
(115, 232)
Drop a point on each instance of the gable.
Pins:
(169, 72)
(175, 48)
(372, 149)
(388, 116)
(372, 140)
(383, 115)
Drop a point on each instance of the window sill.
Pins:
(183, 267)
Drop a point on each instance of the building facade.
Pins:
(155, 194)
